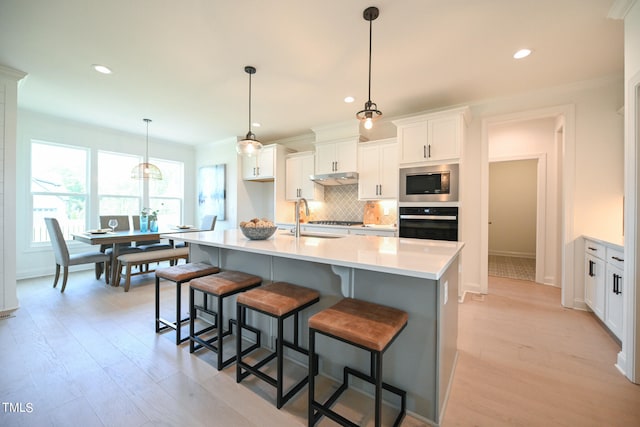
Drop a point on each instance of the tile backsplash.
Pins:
(341, 204)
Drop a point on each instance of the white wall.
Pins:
(599, 143)
(512, 208)
(224, 152)
(38, 260)
(629, 357)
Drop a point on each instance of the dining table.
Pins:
(115, 238)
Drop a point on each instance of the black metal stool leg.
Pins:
(311, 415)
(157, 304)
(192, 318)
(220, 325)
(178, 310)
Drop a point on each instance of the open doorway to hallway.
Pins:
(512, 219)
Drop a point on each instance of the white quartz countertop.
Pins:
(409, 257)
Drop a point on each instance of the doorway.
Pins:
(513, 218)
(514, 137)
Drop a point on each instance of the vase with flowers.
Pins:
(149, 220)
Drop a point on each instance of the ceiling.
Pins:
(181, 63)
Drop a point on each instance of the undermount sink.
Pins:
(315, 234)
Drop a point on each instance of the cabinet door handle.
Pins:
(380, 190)
(591, 264)
(617, 258)
(591, 248)
(424, 151)
(258, 170)
(616, 284)
(429, 151)
(254, 171)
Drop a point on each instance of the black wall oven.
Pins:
(435, 223)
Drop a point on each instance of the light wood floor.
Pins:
(90, 357)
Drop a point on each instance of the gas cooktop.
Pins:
(326, 222)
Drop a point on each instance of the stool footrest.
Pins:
(198, 343)
(169, 324)
(325, 408)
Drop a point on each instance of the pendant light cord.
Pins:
(146, 159)
(370, 38)
(250, 103)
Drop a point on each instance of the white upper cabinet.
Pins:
(432, 137)
(337, 156)
(378, 170)
(298, 168)
(260, 167)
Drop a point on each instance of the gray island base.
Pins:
(417, 276)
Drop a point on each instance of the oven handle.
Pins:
(431, 217)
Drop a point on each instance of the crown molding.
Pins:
(620, 8)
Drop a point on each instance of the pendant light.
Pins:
(146, 170)
(249, 146)
(370, 111)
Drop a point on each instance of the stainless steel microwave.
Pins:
(429, 183)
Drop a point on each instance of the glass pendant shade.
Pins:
(370, 111)
(146, 170)
(249, 146)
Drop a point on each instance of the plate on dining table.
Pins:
(99, 231)
(184, 227)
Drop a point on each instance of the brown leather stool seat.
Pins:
(372, 327)
(179, 274)
(280, 300)
(221, 285)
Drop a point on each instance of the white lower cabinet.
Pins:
(365, 231)
(594, 289)
(614, 302)
(604, 283)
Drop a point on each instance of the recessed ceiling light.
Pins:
(349, 99)
(102, 69)
(522, 53)
(255, 124)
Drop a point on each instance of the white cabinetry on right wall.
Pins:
(604, 283)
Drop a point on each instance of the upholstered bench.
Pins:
(221, 286)
(144, 258)
(279, 300)
(372, 327)
(178, 274)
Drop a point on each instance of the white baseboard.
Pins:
(621, 363)
(513, 254)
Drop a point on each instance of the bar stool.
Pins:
(366, 325)
(179, 274)
(279, 300)
(221, 285)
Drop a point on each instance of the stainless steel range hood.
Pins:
(338, 178)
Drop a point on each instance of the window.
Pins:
(167, 195)
(118, 194)
(58, 188)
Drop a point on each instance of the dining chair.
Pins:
(149, 245)
(208, 223)
(123, 248)
(64, 259)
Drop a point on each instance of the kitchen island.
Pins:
(417, 276)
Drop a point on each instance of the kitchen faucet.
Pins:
(306, 210)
